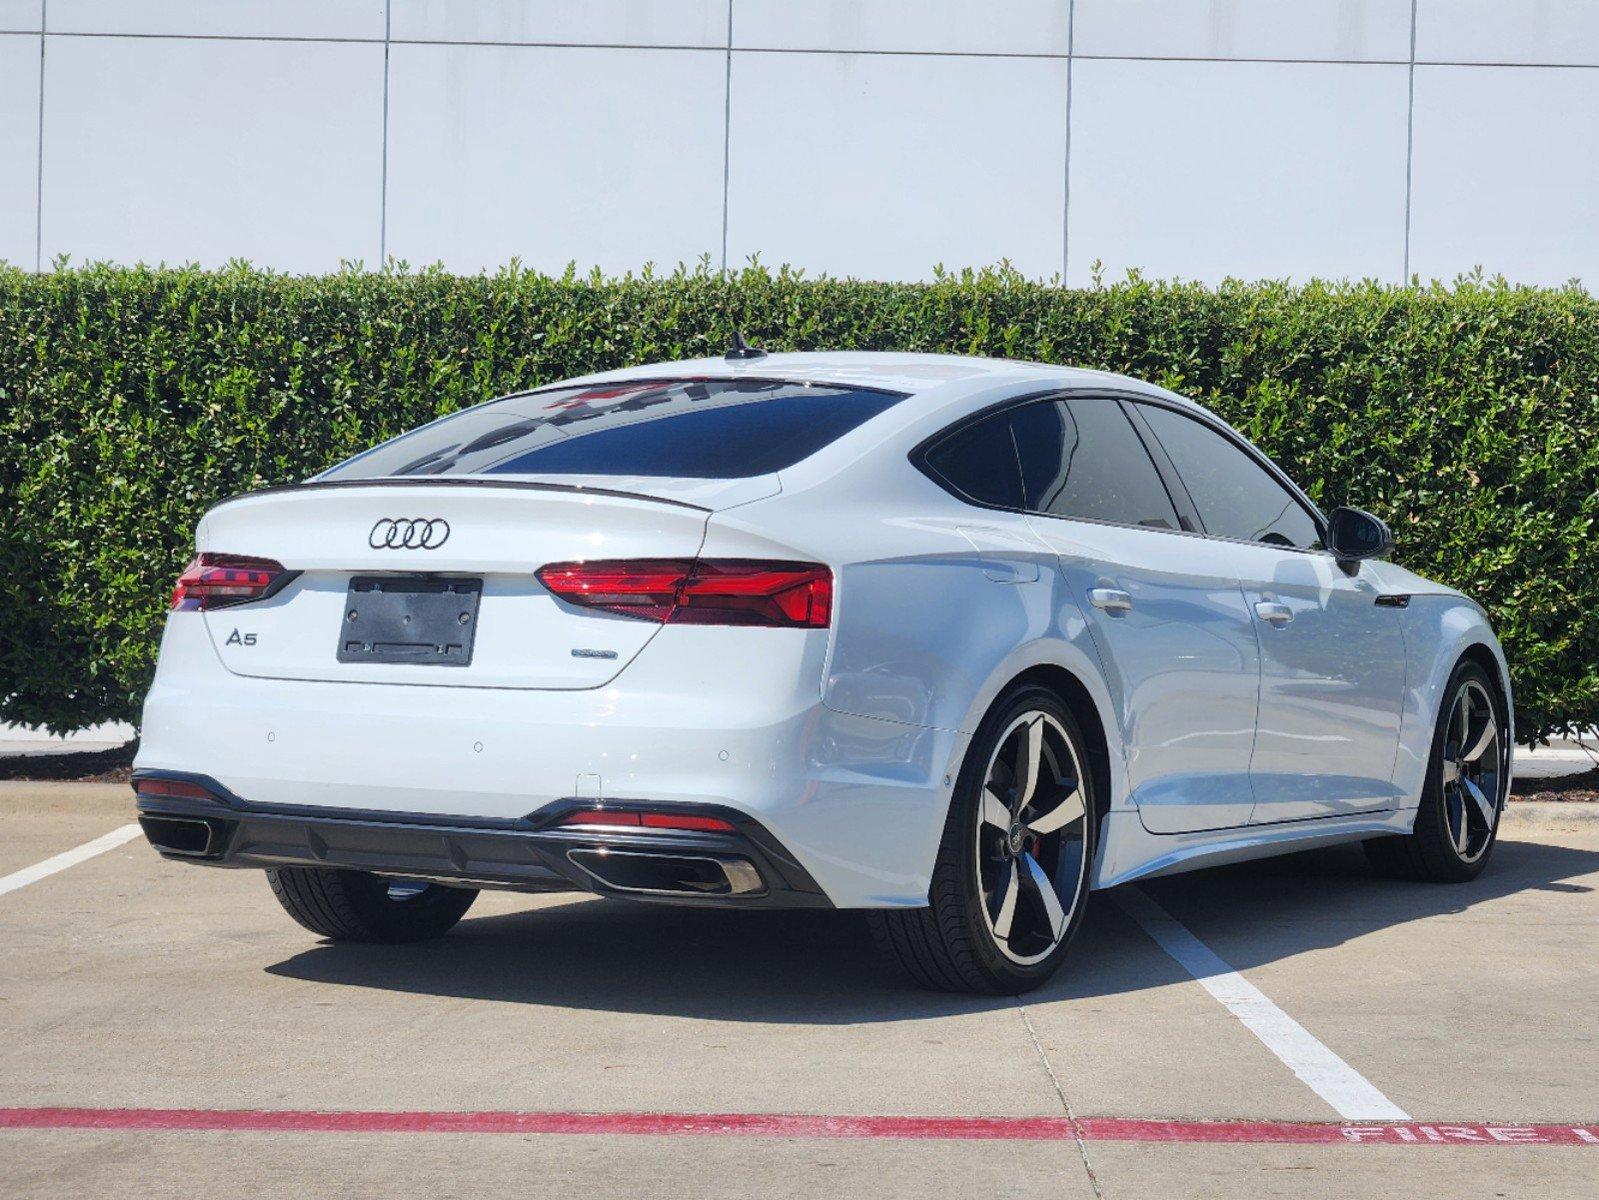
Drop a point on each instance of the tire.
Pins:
(1468, 776)
(356, 906)
(989, 926)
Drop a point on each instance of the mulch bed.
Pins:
(79, 766)
(116, 766)
(1566, 789)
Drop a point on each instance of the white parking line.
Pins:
(1351, 1094)
(68, 858)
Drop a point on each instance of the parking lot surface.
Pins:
(167, 1030)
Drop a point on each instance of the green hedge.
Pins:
(130, 399)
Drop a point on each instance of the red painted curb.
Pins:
(778, 1125)
(774, 1125)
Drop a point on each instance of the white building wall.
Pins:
(877, 138)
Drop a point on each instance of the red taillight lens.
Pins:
(755, 593)
(599, 816)
(171, 787)
(684, 821)
(707, 592)
(213, 580)
(646, 588)
(647, 820)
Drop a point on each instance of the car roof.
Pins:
(913, 374)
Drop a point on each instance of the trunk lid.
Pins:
(463, 530)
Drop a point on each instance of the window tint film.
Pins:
(688, 428)
(1235, 496)
(1082, 458)
(979, 463)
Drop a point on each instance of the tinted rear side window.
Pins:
(1236, 496)
(1082, 458)
(687, 428)
(979, 463)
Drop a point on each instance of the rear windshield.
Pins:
(686, 428)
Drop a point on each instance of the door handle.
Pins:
(1274, 613)
(1112, 600)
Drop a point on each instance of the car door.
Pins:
(1175, 639)
(1332, 659)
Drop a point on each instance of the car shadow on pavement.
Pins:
(797, 966)
(1272, 909)
(812, 967)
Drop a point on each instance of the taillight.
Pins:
(705, 592)
(214, 580)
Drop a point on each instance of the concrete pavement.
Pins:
(130, 983)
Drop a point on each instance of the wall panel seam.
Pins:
(383, 171)
(1410, 142)
(723, 50)
(727, 129)
(212, 37)
(1070, 53)
(38, 178)
(1066, 196)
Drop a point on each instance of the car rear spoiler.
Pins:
(455, 481)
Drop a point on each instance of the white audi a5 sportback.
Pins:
(952, 640)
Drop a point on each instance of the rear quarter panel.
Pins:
(930, 625)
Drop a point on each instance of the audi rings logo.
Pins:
(409, 533)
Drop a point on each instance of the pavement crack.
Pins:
(1065, 1104)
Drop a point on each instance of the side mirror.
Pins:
(1354, 534)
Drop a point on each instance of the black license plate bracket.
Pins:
(425, 620)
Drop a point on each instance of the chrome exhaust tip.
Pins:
(649, 874)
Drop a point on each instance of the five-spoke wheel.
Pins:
(1011, 880)
(1030, 837)
(1464, 794)
(1471, 770)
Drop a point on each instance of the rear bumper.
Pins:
(745, 868)
(724, 722)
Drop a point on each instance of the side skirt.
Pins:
(1128, 851)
